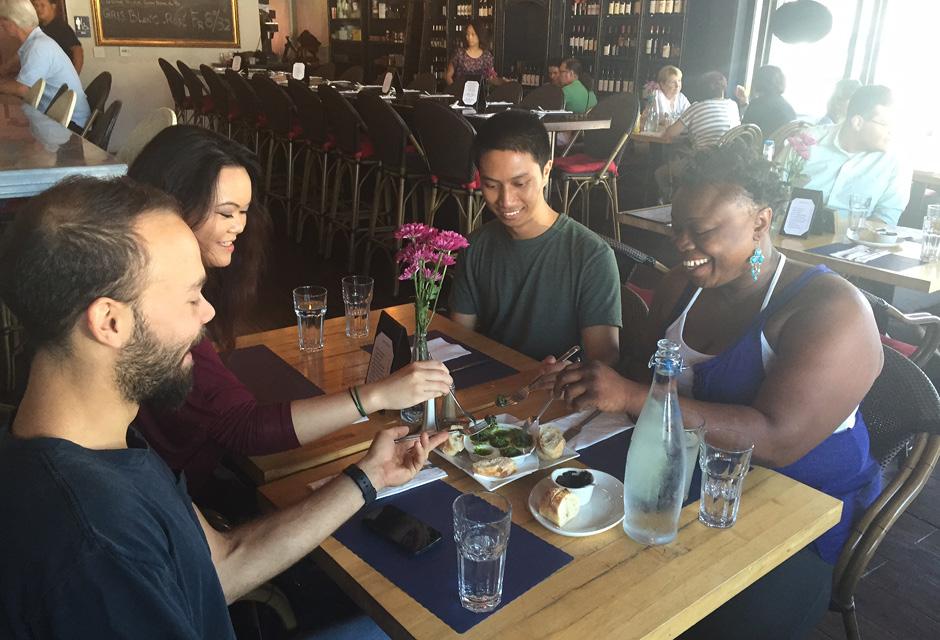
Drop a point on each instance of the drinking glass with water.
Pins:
(357, 296)
(725, 458)
(481, 530)
(310, 307)
(858, 212)
(930, 241)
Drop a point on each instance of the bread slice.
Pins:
(453, 445)
(551, 444)
(559, 505)
(499, 467)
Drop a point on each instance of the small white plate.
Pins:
(603, 512)
(853, 236)
(529, 464)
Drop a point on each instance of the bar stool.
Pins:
(97, 93)
(317, 145)
(202, 103)
(597, 166)
(403, 170)
(282, 129)
(447, 139)
(355, 158)
(248, 113)
(224, 107)
(181, 102)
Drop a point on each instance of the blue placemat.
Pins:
(470, 370)
(431, 578)
(610, 456)
(267, 376)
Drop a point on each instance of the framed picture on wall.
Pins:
(157, 23)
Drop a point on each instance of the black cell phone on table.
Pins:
(402, 529)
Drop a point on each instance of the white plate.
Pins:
(853, 236)
(603, 512)
(529, 464)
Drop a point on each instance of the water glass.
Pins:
(357, 296)
(930, 241)
(693, 430)
(725, 457)
(858, 211)
(310, 307)
(481, 530)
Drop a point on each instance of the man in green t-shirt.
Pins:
(578, 98)
(532, 279)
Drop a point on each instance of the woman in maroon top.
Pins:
(215, 180)
(473, 59)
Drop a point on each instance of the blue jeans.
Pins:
(359, 627)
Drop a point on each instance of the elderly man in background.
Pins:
(40, 57)
(856, 157)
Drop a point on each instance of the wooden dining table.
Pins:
(920, 277)
(343, 363)
(613, 587)
(36, 152)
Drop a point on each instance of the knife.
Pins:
(575, 430)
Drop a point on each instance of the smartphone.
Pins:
(401, 528)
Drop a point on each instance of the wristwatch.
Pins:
(362, 481)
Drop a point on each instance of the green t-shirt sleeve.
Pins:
(599, 293)
(592, 100)
(464, 291)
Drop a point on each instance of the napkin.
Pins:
(443, 351)
(600, 428)
(428, 474)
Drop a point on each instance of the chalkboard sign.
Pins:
(178, 23)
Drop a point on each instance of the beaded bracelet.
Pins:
(354, 394)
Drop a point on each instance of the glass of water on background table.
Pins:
(481, 531)
(725, 458)
(930, 241)
(858, 211)
(310, 307)
(357, 296)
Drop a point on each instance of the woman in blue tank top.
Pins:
(779, 350)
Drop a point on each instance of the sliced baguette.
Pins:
(551, 444)
(453, 445)
(559, 505)
(499, 467)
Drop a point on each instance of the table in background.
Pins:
(36, 152)
(614, 587)
(343, 363)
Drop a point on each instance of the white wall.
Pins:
(137, 79)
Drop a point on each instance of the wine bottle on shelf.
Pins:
(666, 47)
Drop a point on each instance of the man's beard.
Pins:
(150, 371)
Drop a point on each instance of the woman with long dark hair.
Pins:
(216, 182)
(474, 58)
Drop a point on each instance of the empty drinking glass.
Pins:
(310, 307)
(930, 241)
(725, 457)
(481, 530)
(357, 296)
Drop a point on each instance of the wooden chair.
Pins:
(158, 120)
(248, 111)
(900, 405)
(507, 92)
(97, 93)
(100, 132)
(223, 100)
(748, 134)
(198, 96)
(316, 145)
(62, 108)
(548, 96)
(597, 166)
(280, 120)
(34, 95)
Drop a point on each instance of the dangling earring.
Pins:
(756, 260)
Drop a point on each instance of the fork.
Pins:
(475, 426)
(521, 394)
